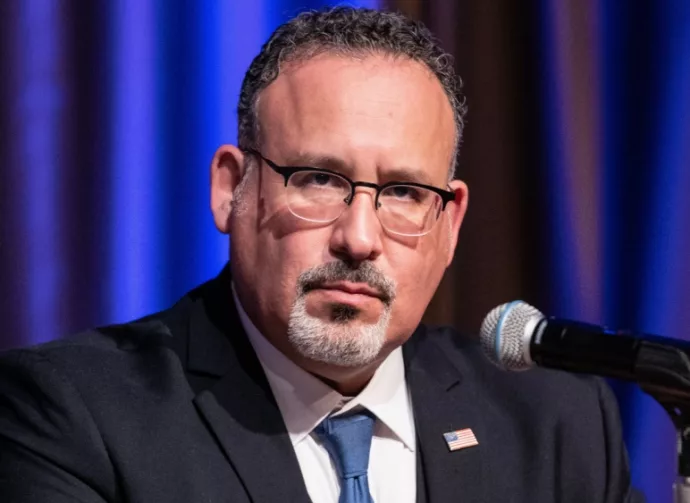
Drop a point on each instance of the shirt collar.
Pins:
(305, 401)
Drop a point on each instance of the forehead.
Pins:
(374, 109)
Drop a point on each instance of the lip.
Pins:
(340, 296)
(352, 288)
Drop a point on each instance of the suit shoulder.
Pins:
(152, 330)
(111, 338)
(537, 387)
(104, 354)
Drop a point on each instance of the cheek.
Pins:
(420, 268)
(281, 260)
(298, 251)
(418, 274)
(416, 285)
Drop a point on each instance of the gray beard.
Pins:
(342, 340)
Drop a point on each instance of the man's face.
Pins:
(373, 119)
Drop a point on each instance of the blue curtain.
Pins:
(616, 157)
(113, 112)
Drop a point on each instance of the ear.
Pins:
(227, 168)
(456, 213)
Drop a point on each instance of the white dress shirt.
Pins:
(304, 402)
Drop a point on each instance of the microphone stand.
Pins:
(664, 373)
(680, 415)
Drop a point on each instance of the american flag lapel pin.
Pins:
(460, 439)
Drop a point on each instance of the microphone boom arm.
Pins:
(662, 371)
(664, 374)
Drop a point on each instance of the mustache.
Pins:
(365, 272)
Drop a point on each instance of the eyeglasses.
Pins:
(322, 195)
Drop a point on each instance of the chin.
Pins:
(365, 311)
(344, 337)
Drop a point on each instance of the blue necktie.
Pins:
(347, 439)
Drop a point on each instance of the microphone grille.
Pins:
(506, 333)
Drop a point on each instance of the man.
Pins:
(302, 373)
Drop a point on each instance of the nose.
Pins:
(357, 232)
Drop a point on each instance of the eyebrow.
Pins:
(404, 174)
(398, 174)
(318, 161)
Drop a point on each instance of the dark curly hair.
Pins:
(346, 31)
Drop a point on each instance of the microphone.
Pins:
(516, 336)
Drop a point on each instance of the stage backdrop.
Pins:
(577, 153)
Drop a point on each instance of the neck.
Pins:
(349, 387)
(347, 381)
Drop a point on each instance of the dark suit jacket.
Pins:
(176, 408)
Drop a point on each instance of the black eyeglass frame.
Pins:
(287, 171)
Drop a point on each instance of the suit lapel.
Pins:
(421, 482)
(442, 403)
(253, 438)
(235, 400)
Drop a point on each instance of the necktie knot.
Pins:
(347, 439)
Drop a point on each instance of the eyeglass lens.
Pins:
(322, 197)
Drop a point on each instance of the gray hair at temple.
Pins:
(346, 31)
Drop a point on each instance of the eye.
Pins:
(319, 179)
(315, 179)
(404, 193)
